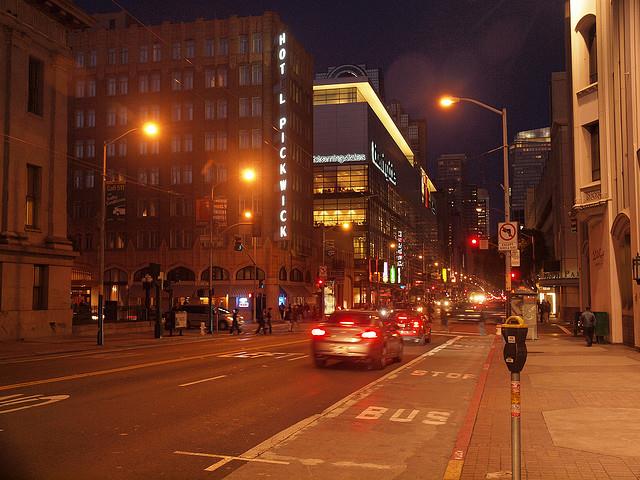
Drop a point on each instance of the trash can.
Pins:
(524, 304)
(602, 327)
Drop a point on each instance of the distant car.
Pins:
(356, 335)
(412, 325)
(465, 311)
(200, 313)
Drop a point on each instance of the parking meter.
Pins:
(514, 331)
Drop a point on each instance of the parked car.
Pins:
(200, 313)
(356, 335)
(412, 325)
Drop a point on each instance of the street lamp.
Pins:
(150, 129)
(449, 101)
(247, 175)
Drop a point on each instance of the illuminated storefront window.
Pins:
(343, 178)
(335, 211)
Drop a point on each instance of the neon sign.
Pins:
(282, 152)
(384, 165)
(400, 250)
(337, 158)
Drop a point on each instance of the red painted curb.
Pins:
(464, 434)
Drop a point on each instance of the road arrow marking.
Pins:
(31, 401)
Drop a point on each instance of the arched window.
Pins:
(139, 275)
(296, 275)
(282, 275)
(248, 273)
(219, 273)
(587, 28)
(115, 276)
(181, 274)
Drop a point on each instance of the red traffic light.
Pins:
(319, 282)
(474, 242)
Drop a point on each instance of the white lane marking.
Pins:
(203, 380)
(224, 459)
(563, 329)
(297, 358)
(337, 408)
(127, 368)
(32, 401)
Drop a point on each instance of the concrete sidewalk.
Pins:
(580, 413)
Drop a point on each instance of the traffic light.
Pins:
(515, 277)
(238, 244)
(319, 283)
(474, 242)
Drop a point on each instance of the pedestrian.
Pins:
(588, 325)
(546, 306)
(540, 311)
(288, 317)
(281, 308)
(235, 326)
(260, 321)
(268, 322)
(444, 319)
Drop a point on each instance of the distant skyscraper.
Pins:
(483, 211)
(414, 130)
(529, 153)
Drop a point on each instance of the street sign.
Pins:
(116, 201)
(322, 271)
(507, 236)
(484, 244)
(515, 258)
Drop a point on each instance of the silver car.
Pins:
(356, 335)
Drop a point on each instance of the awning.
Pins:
(178, 291)
(296, 291)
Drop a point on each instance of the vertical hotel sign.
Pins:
(282, 151)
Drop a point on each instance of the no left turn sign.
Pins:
(507, 236)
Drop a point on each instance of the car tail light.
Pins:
(369, 334)
(346, 323)
(416, 324)
(402, 317)
(318, 332)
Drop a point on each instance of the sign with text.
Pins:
(507, 236)
(116, 201)
(515, 258)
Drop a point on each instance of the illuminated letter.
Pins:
(282, 53)
(283, 185)
(283, 200)
(283, 169)
(282, 69)
(282, 39)
(283, 153)
(283, 215)
(282, 137)
(282, 100)
(282, 122)
(283, 231)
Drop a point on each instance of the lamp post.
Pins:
(150, 129)
(247, 175)
(345, 226)
(447, 102)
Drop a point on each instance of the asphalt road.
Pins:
(124, 414)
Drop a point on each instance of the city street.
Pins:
(237, 407)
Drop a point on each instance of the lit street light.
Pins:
(449, 101)
(150, 129)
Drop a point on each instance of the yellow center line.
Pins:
(137, 367)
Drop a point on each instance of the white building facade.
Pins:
(605, 67)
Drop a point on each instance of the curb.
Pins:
(456, 461)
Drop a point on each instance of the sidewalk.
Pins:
(580, 413)
(68, 344)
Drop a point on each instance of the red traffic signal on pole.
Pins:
(474, 242)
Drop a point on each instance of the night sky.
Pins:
(501, 52)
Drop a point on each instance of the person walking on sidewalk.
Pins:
(261, 327)
(267, 325)
(235, 326)
(588, 325)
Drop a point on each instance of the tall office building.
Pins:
(528, 154)
(35, 254)
(414, 130)
(365, 174)
(228, 94)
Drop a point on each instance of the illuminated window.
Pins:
(342, 178)
(336, 211)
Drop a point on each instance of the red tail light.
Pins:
(402, 317)
(369, 334)
(416, 324)
(347, 324)
(318, 332)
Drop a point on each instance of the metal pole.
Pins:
(211, 327)
(507, 216)
(323, 280)
(158, 325)
(254, 313)
(103, 189)
(515, 426)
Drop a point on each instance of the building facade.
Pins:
(365, 174)
(528, 155)
(228, 94)
(605, 101)
(35, 254)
